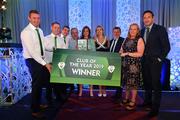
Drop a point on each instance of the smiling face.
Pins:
(99, 31)
(74, 34)
(34, 19)
(65, 31)
(55, 29)
(148, 19)
(86, 33)
(133, 31)
(116, 33)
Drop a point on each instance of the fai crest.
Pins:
(61, 65)
(111, 68)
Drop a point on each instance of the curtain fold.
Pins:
(103, 12)
(166, 11)
(50, 11)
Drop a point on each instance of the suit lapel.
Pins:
(152, 30)
(151, 33)
(142, 32)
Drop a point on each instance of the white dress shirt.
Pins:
(73, 44)
(146, 32)
(67, 40)
(113, 45)
(31, 45)
(49, 43)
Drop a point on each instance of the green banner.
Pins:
(86, 67)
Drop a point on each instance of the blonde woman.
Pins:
(131, 52)
(102, 44)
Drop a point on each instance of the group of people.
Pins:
(142, 52)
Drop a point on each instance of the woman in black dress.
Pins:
(131, 52)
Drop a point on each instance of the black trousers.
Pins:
(118, 93)
(40, 78)
(119, 89)
(60, 91)
(151, 76)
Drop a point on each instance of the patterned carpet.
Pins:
(95, 108)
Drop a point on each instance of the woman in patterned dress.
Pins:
(131, 53)
(102, 44)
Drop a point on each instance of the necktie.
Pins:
(64, 39)
(40, 42)
(147, 33)
(113, 45)
(55, 42)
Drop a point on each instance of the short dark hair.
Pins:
(33, 11)
(117, 28)
(148, 11)
(66, 27)
(55, 23)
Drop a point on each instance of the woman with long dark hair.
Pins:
(86, 34)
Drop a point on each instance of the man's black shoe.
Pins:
(43, 107)
(38, 115)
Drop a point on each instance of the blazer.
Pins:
(118, 44)
(157, 44)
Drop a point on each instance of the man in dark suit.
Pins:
(115, 46)
(156, 49)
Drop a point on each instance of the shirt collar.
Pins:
(61, 35)
(149, 27)
(33, 27)
(116, 38)
(53, 35)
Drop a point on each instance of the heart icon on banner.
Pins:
(61, 65)
(111, 68)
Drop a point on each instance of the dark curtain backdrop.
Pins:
(166, 11)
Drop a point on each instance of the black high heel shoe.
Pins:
(124, 102)
(131, 106)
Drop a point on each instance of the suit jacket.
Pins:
(157, 44)
(118, 44)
